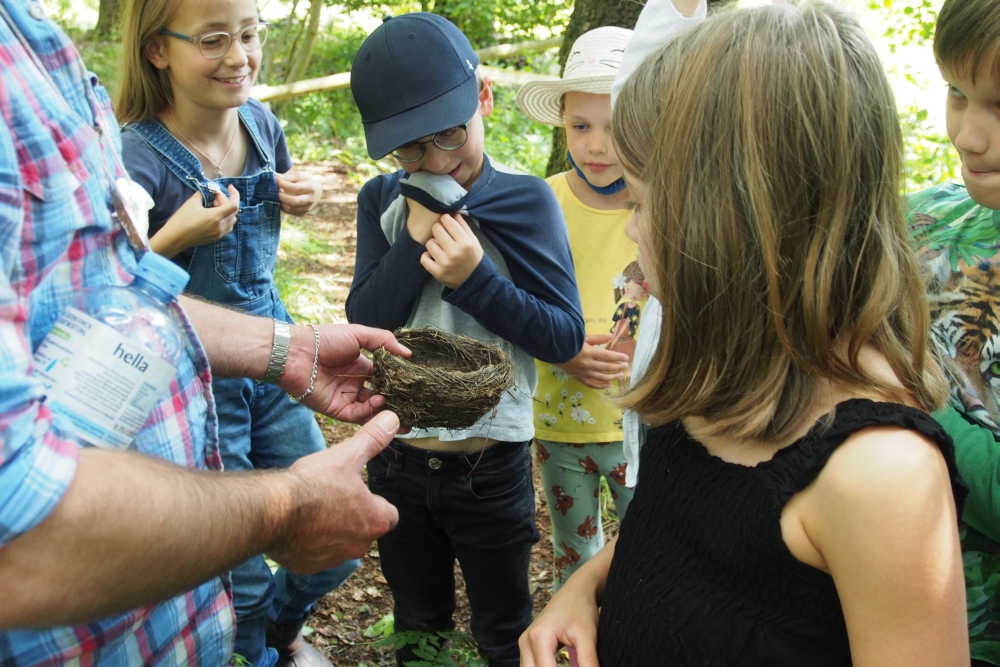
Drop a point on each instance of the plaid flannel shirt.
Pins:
(56, 238)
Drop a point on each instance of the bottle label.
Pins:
(99, 381)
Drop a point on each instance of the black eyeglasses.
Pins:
(447, 140)
(216, 44)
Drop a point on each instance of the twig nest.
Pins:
(450, 381)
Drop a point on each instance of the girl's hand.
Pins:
(193, 224)
(570, 619)
(298, 191)
(595, 366)
(453, 252)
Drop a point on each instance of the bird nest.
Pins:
(450, 381)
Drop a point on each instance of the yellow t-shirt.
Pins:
(612, 296)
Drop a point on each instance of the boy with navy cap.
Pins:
(457, 241)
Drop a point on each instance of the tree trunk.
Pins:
(301, 62)
(299, 57)
(587, 15)
(276, 45)
(108, 15)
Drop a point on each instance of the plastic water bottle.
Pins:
(112, 354)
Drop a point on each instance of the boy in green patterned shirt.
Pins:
(958, 230)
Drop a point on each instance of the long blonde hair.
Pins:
(142, 91)
(769, 145)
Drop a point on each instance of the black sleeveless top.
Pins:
(701, 575)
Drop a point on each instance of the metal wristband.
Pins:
(279, 352)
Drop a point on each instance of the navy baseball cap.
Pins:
(413, 76)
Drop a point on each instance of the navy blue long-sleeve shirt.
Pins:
(538, 309)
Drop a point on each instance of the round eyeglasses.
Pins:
(216, 44)
(447, 140)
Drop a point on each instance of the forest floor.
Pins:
(317, 263)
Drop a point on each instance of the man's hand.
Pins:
(339, 390)
(595, 366)
(453, 252)
(193, 224)
(420, 220)
(336, 517)
(298, 191)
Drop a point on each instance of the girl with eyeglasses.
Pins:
(218, 169)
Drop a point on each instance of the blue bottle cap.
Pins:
(163, 273)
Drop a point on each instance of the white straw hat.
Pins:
(591, 68)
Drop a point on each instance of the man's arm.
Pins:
(239, 345)
(133, 530)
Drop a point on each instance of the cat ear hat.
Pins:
(591, 68)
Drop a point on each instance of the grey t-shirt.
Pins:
(169, 192)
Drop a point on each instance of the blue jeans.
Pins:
(260, 427)
(477, 507)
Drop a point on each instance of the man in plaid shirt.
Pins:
(102, 538)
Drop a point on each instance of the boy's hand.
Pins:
(453, 253)
(298, 191)
(420, 221)
(193, 224)
(595, 366)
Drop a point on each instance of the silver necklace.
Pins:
(217, 165)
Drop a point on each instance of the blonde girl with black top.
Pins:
(796, 503)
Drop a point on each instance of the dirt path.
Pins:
(342, 617)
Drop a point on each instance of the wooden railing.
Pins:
(501, 76)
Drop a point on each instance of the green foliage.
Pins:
(101, 58)
(73, 16)
(912, 21)
(484, 22)
(381, 628)
(442, 649)
(334, 51)
(475, 18)
(930, 157)
(514, 139)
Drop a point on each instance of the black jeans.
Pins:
(477, 507)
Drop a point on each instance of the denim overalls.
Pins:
(259, 426)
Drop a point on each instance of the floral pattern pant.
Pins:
(571, 474)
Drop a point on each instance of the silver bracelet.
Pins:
(279, 353)
(312, 380)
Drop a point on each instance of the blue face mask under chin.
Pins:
(611, 189)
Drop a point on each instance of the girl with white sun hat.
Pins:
(579, 434)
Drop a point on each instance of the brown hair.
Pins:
(967, 37)
(631, 274)
(769, 145)
(142, 90)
